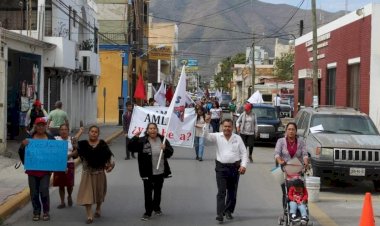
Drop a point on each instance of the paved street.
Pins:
(189, 197)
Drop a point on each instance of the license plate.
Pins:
(357, 171)
(264, 135)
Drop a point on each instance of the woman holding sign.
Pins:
(66, 179)
(149, 148)
(38, 180)
(96, 158)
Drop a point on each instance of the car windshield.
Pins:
(226, 97)
(344, 124)
(265, 113)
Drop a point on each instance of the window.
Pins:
(330, 86)
(305, 121)
(301, 91)
(353, 86)
(345, 124)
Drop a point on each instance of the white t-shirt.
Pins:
(69, 146)
(216, 113)
(277, 101)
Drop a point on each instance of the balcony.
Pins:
(89, 62)
(63, 56)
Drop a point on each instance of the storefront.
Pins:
(348, 63)
(20, 82)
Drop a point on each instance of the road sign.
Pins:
(163, 53)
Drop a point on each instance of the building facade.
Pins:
(348, 63)
(49, 53)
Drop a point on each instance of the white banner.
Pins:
(183, 137)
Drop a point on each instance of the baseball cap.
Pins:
(248, 106)
(37, 103)
(40, 120)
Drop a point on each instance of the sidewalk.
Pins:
(14, 191)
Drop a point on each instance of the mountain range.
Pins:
(210, 30)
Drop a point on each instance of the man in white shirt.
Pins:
(231, 161)
(277, 103)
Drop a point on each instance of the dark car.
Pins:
(225, 101)
(343, 143)
(269, 124)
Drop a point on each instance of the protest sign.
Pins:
(46, 155)
(183, 136)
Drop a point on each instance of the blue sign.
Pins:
(192, 62)
(46, 155)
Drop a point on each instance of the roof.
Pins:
(338, 23)
(26, 39)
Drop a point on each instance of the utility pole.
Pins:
(315, 55)
(133, 45)
(253, 65)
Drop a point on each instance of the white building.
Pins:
(48, 52)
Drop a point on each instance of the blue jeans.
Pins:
(199, 146)
(301, 207)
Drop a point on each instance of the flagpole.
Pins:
(170, 113)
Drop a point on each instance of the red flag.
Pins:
(169, 94)
(140, 89)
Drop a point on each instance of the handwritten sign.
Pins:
(46, 155)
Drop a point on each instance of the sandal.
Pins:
(89, 221)
(45, 217)
(97, 215)
(36, 217)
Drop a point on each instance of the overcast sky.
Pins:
(327, 5)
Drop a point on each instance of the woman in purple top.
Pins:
(290, 147)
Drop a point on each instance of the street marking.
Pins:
(321, 216)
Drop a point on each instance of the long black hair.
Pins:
(203, 113)
(151, 123)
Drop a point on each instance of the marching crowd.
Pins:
(153, 151)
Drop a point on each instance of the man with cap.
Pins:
(56, 118)
(35, 112)
(246, 125)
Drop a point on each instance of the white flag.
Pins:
(176, 111)
(256, 98)
(200, 93)
(159, 97)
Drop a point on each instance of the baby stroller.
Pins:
(291, 174)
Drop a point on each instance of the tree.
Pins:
(223, 78)
(283, 67)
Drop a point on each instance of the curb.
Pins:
(19, 200)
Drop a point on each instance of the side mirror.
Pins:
(300, 132)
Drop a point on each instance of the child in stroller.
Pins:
(297, 196)
(294, 197)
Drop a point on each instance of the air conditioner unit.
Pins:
(85, 63)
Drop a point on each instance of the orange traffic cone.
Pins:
(367, 218)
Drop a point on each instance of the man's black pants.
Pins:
(227, 179)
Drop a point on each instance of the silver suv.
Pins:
(343, 143)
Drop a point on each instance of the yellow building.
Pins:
(163, 41)
(110, 83)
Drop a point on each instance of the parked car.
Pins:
(225, 101)
(343, 143)
(270, 127)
